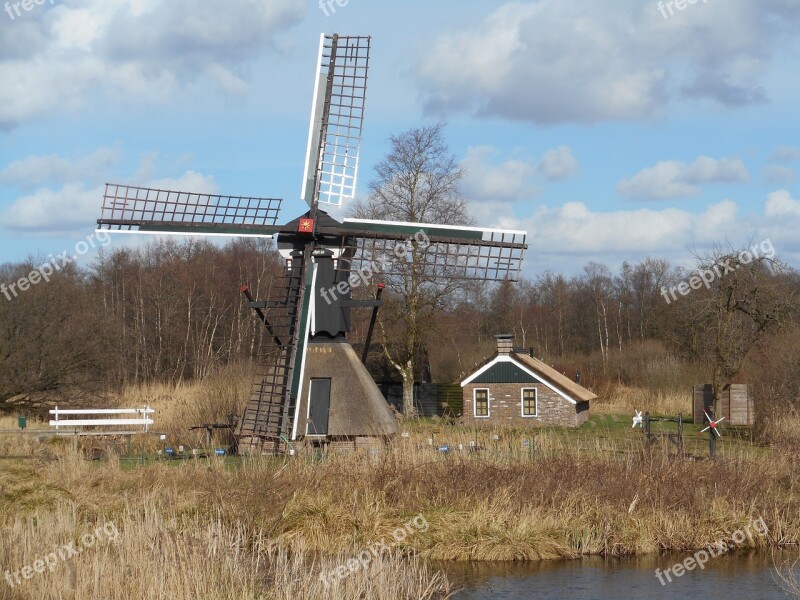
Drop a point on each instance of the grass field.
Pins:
(268, 528)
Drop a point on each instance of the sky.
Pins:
(609, 131)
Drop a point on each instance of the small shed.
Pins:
(734, 403)
(515, 388)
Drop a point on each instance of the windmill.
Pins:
(310, 384)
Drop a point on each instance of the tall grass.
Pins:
(225, 528)
(160, 552)
(621, 399)
(267, 527)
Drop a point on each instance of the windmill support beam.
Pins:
(260, 313)
(372, 321)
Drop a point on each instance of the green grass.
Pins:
(602, 432)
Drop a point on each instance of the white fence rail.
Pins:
(144, 419)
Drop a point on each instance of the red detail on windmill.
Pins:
(306, 226)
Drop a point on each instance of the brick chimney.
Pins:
(505, 343)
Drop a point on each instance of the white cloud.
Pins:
(785, 153)
(566, 237)
(143, 50)
(575, 229)
(558, 163)
(190, 181)
(493, 213)
(555, 61)
(486, 179)
(35, 171)
(76, 206)
(780, 204)
(675, 179)
(781, 223)
(72, 207)
(778, 174)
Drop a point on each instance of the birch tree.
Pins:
(416, 182)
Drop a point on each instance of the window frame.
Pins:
(535, 402)
(488, 403)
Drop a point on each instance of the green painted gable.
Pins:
(504, 372)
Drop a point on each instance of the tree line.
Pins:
(172, 312)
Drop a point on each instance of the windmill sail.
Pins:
(439, 251)
(131, 209)
(337, 117)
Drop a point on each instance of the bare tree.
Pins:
(416, 182)
(744, 300)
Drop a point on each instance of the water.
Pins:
(748, 576)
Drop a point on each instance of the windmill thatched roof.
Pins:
(357, 406)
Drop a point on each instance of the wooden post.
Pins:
(680, 433)
(712, 440)
(75, 440)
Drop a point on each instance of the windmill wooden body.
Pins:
(310, 384)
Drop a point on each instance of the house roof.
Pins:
(560, 383)
(573, 388)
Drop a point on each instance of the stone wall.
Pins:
(505, 406)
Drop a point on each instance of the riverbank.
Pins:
(256, 523)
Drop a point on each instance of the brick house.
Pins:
(514, 388)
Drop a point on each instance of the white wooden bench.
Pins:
(144, 419)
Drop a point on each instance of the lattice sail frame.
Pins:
(432, 251)
(146, 210)
(337, 119)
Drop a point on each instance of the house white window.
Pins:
(481, 404)
(530, 402)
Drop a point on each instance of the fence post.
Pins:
(712, 439)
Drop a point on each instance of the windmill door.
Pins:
(319, 405)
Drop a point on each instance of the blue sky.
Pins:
(604, 129)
